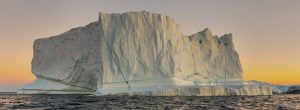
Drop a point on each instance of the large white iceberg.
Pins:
(138, 53)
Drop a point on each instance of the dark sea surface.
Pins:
(84, 102)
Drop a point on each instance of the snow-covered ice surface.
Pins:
(138, 52)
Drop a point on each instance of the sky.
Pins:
(265, 32)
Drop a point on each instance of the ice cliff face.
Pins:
(134, 47)
(71, 58)
(151, 46)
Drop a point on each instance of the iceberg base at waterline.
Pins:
(42, 86)
(157, 87)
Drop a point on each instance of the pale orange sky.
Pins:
(266, 33)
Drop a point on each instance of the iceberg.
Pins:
(138, 53)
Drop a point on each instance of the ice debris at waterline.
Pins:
(139, 53)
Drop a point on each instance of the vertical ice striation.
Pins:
(146, 50)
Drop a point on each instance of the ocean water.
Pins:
(84, 102)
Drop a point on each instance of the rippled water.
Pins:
(148, 102)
